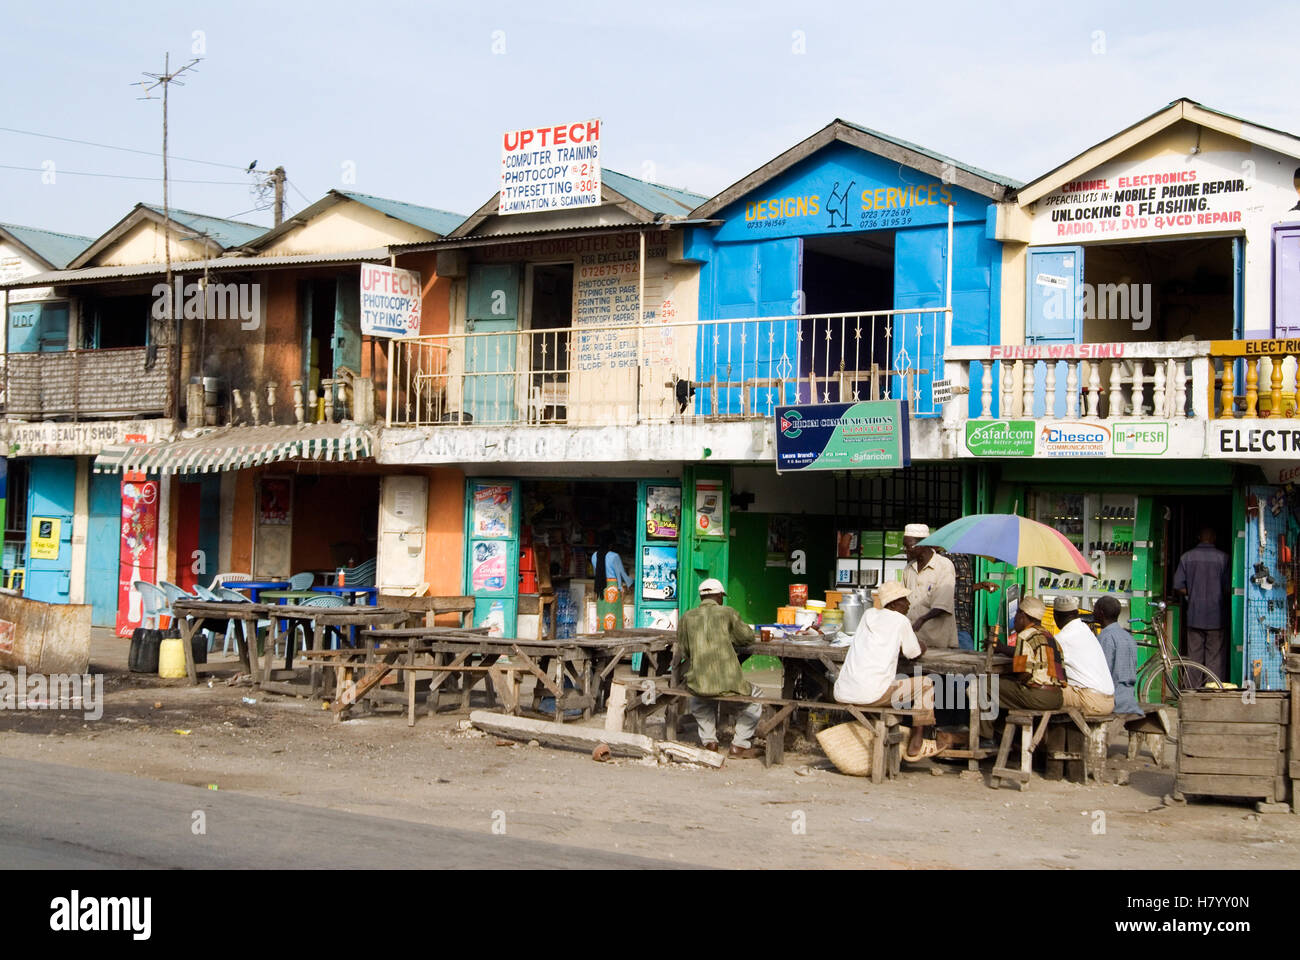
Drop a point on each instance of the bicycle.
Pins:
(1168, 672)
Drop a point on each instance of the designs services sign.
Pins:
(390, 301)
(869, 435)
(1000, 438)
(550, 168)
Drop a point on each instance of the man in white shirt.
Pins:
(931, 581)
(1089, 685)
(870, 677)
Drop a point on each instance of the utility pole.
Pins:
(152, 82)
(278, 177)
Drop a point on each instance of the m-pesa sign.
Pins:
(550, 168)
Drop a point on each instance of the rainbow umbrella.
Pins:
(1018, 541)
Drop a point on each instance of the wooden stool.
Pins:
(1149, 731)
(1022, 721)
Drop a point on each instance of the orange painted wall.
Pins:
(241, 524)
(282, 348)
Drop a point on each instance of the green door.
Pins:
(492, 553)
(706, 522)
(490, 360)
(658, 556)
(347, 325)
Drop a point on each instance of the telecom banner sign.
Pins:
(390, 301)
(869, 435)
(550, 168)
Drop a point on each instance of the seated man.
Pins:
(1088, 683)
(1120, 652)
(709, 636)
(869, 677)
(1037, 679)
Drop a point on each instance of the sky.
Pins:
(409, 100)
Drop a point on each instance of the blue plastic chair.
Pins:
(362, 575)
(324, 600)
(155, 604)
(174, 593)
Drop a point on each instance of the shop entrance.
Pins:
(563, 523)
(336, 522)
(872, 509)
(1184, 518)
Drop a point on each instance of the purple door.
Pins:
(1286, 281)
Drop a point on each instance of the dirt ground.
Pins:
(800, 814)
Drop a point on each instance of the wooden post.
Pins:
(1252, 389)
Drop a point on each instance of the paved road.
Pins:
(61, 817)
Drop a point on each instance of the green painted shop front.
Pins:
(1136, 521)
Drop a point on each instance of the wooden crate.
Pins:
(1231, 748)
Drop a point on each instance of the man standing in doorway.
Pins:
(708, 637)
(931, 582)
(1202, 579)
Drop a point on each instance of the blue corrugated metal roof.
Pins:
(653, 196)
(995, 177)
(436, 221)
(228, 233)
(57, 249)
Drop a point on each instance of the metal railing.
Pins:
(1203, 379)
(113, 382)
(616, 375)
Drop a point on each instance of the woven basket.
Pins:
(848, 746)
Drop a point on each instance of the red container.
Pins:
(798, 594)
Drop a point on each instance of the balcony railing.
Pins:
(115, 382)
(618, 375)
(1204, 379)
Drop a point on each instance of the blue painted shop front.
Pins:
(842, 232)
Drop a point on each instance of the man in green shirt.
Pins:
(708, 637)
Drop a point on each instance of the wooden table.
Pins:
(321, 620)
(818, 664)
(195, 615)
(585, 662)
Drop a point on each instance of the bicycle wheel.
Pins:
(1187, 675)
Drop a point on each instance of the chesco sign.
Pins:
(1072, 438)
(1237, 440)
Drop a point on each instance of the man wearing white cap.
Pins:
(931, 581)
(1089, 684)
(708, 637)
(870, 677)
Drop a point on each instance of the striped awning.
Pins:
(237, 448)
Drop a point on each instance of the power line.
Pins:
(109, 146)
(119, 176)
(300, 193)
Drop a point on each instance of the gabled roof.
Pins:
(655, 197)
(991, 185)
(54, 250)
(1181, 109)
(440, 222)
(642, 200)
(221, 233)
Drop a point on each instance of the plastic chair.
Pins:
(226, 595)
(155, 605)
(203, 593)
(223, 578)
(324, 600)
(302, 581)
(362, 575)
(174, 593)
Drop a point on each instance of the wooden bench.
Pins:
(634, 700)
(1074, 752)
(1150, 731)
(1022, 722)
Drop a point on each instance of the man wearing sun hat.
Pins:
(931, 581)
(869, 676)
(1037, 680)
(1090, 687)
(708, 637)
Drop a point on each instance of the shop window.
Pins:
(871, 511)
(111, 322)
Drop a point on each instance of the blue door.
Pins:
(760, 279)
(347, 325)
(51, 501)
(103, 545)
(1053, 315)
(493, 305)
